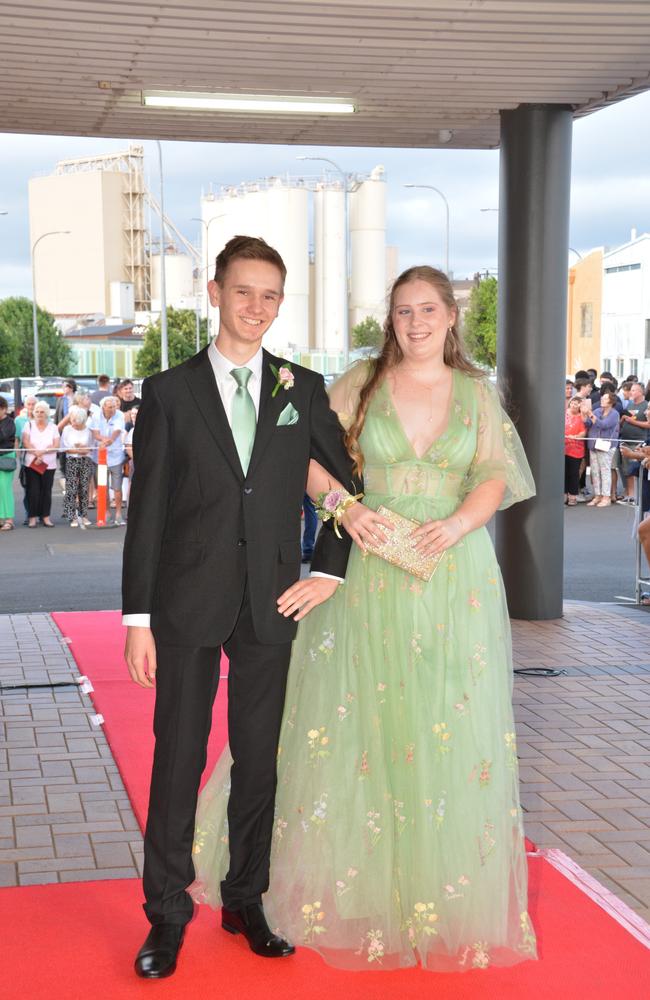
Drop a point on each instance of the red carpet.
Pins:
(96, 640)
(64, 942)
(75, 942)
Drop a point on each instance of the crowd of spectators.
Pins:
(34, 441)
(607, 434)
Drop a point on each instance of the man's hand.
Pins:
(304, 595)
(140, 655)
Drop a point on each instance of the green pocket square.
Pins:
(288, 417)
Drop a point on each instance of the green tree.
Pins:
(17, 340)
(181, 341)
(481, 322)
(8, 354)
(367, 333)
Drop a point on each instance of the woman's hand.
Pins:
(365, 526)
(433, 537)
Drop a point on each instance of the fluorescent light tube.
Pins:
(255, 103)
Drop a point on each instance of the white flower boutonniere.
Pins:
(285, 378)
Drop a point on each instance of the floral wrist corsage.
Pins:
(333, 505)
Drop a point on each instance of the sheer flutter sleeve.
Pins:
(499, 451)
(344, 393)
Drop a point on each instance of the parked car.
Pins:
(51, 392)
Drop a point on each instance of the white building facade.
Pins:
(625, 332)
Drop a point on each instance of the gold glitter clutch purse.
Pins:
(399, 548)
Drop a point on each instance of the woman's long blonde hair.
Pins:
(454, 356)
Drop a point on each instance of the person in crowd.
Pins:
(634, 431)
(608, 381)
(125, 392)
(602, 425)
(80, 398)
(77, 441)
(583, 388)
(83, 398)
(41, 441)
(7, 465)
(26, 414)
(592, 375)
(64, 402)
(393, 814)
(108, 430)
(568, 391)
(574, 450)
(310, 524)
(103, 389)
(61, 409)
(128, 448)
(624, 394)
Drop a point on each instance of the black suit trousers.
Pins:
(186, 685)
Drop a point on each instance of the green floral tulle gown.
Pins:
(398, 833)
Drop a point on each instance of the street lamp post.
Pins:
(164, 342)
(346, 223)
(430, 187)
(54, 232)
(206, 226)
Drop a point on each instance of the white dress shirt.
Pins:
(227, 387)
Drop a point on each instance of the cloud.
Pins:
(610, 187)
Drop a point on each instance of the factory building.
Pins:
(102, 268)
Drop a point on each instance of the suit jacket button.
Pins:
(241, 542)
(248, 490)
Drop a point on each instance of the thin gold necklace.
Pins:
(423, 385)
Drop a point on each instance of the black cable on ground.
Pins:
(539, 671)
(51, 684)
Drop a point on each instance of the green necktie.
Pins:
(244, 418)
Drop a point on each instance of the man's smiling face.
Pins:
(249, 300)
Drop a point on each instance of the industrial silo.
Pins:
(330, 265)
(275, 210)
(368, 248)
(285, 227)
(179, 288)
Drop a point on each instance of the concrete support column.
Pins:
(531, 345)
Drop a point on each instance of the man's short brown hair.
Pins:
(247, 248)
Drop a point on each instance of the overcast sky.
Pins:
(610, 187)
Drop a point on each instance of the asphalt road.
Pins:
(67, 569)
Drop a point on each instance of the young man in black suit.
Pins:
(212, 559)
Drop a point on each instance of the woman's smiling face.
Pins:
(421, 320)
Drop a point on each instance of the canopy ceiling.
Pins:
(77, 67)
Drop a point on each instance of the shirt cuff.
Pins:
(328, 576)
(141, 621)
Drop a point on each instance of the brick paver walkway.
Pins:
(583, 737)
(584, 742)
(64, 813)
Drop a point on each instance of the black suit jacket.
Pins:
(198, 530)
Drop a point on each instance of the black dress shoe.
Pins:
(251, 922)
(157, 956)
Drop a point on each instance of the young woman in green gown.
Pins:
(398, 834)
